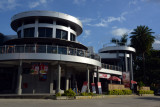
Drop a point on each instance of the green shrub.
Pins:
(119, 92)
(145, 92)
(69, 93)
(141, 84)
(88, 94)
(58, 94)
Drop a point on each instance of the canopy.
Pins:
(114, 78)
(133, 82)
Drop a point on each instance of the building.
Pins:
(46, 57)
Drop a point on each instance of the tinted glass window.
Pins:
(19, 34)
(58, 33)
(29, 21)
(64, 34)
(49, 21)
(72, 37)
(44, 32)
(29, 32)
(61, 23)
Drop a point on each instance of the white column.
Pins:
(19, 79)
(67, 81)
(88, 88)
(126, 62)
(58, 88)
(54, 30)
(36, 28)
(69, 33)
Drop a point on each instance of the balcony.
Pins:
(111, 67)
(50, 49)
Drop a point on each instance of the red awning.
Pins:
(114, 78)
(133, 82)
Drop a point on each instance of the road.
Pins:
(107, 102)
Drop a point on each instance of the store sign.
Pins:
(39, 68)
(126, 79)
(84, 87)
(93, 87)
(101, 75)
(99, 87)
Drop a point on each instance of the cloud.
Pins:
(8, 4)
(104, 22)
(37, 3)
(120, 31)
(79, 1)
(87, 33)
(86, 20)
(132, 2)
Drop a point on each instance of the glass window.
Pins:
(64, 34)
(48, 20)
(58, 33)
(29, 32)
(72, 37)
(49, 32)
(61, 34)
(61, 23)
(44, 32)
(19, 34)
(29, 21)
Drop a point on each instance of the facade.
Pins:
(46, 57)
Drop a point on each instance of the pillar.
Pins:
(131, 69)
(88, 88)
(97, 75)
(58, 88)
(51, 81)
(93, 77)
(36, 28)
(19, 79)
(126, 62)
(67, 81)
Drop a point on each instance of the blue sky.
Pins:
(102, 19)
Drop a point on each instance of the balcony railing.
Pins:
(52, 49)
(111, 67)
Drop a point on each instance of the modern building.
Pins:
(46, 57)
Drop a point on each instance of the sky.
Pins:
(102, 19)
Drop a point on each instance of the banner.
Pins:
(93, 87)
(99, 87)
(34, 69)
(102, 75)
(43, 68)
(126, 79)
(84, 87)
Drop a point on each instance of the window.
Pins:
(19, 34)
(61, 34)
(44, 32)
(44, 20)
(29, 32)
(61, 23)
(72, 37)
(29, 21)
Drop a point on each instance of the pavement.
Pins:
(132, 101)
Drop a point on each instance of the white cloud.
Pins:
(132, 2)
(86, 20)
(103, 23)
(37, 3)
(87, 33)
(8, 4)
(120, 31)
(79, 1)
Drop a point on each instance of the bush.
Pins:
(145, 92)
(87, 94)
(58, 94)
(119, 92)
(69, 93)
(141, 84)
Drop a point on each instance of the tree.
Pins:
(142, 41)
(121, 42)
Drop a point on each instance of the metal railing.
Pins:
(111, 67)
(52, 49)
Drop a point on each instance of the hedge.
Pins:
(145, 92)
(119, 92)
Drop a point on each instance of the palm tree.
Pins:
(122, 41)
(142, 41)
